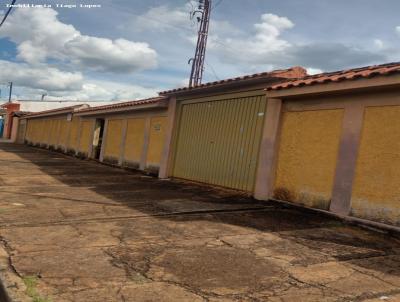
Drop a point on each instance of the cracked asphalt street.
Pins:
(89, 232)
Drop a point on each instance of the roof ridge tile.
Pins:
(337, 76)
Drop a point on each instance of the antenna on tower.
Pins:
(204, 12)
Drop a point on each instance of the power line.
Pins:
(213, 71)
(8, 12)
(216, 4)
(158, 20)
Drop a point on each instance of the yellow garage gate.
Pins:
(218, 141)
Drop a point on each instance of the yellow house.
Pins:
(332, 142)
(130, 134)
(218, 129)
(329, 142)
(52, 129)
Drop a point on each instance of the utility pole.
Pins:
(204, 9)
(9, 98)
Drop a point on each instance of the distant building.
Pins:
(6, 121)
(39, 105)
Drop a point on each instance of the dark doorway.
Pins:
(98, 138)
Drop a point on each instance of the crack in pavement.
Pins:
(163, 238)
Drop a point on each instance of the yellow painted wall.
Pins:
(134, 140)
(64, 131)
(85, 136)
(74, 133)
(307, 156)
(156, 141)
(45, 131)
(29, 128)
(376, 188)
(113, 140)
(54, 132)
(32, 125)
(21, 131)
(36, 131)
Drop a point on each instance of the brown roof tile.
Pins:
(294, 72)
(338, 76)
(55, 111)
(125, 104)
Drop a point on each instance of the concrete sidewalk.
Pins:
(75, 230)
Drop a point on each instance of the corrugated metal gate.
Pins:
(218, 141)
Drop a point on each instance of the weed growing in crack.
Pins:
(138, 278)
(31, 283)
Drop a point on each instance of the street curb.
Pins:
(12, 288)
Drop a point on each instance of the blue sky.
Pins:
(130, 49)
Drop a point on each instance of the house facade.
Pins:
(328, 141)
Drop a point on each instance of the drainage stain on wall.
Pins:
(376, 189)
(307, 156)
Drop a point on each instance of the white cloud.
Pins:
(184, 82)
(273, 24)
(40, 76)
(38, 31)
(230, 43)
(265, 41)
(39, 35)
(379, 44)
(266, 48)
(398, 29)
(312, 71)
(32, 81)
(109, 91)
(92, 90)
(268, 32)
(94, 93)
(162, 18)
(106, 55)
(45, 105)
